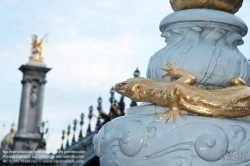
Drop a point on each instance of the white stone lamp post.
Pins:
(206, 80)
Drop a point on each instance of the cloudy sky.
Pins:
(91, 46)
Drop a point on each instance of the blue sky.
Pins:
(91, 46)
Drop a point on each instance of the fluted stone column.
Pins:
(31, 107)
(203, 42)
(24, 106)
(40, 103)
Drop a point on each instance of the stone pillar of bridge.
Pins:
(28, 136)
(203, 40)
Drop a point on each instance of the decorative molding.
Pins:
(140, 140)
(26, 80)
(42, 81)
(209, 46)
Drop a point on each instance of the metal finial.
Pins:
(82, 117)
(74, 130)
(68, 133)
(99, 107)
(81, 123)
(43, 124)
(75, 122)
(137, 73)
(99, 100)
(63, 133)
(90, 112)
(112, 99)
(42, 131)
(90, 117)
(112, 91)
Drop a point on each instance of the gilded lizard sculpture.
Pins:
(230, 102)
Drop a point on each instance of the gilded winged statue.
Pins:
(36, 47)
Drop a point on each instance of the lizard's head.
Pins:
(130, 88)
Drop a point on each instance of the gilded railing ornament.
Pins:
(231, 6)
(229, 102)
(36, 50)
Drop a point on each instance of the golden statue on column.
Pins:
(36, 50)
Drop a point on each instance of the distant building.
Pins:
(8, 140)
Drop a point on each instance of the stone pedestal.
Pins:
(139, 140)
(31, 106)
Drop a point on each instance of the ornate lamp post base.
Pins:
(138, 139)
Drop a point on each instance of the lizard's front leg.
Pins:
(173, 98)
(181, 75)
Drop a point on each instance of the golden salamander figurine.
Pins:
(230, 102)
